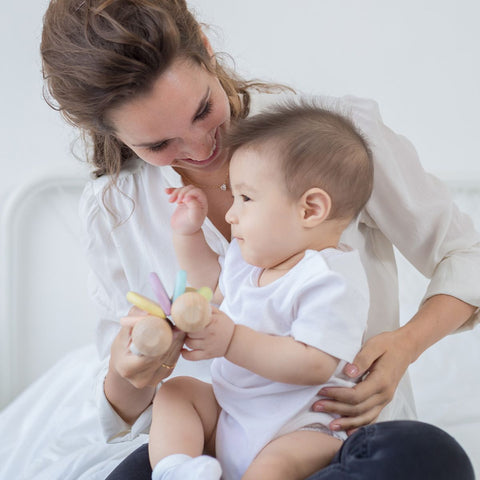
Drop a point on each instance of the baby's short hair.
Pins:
(316, 148)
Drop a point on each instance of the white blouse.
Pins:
(127, 236)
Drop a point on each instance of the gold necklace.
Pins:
(222, 186)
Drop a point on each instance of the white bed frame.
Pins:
(43, 308)
(44, 312)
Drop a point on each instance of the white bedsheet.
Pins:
(447, 389)
(51, 431)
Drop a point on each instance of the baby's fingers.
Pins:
(172, 193)
(177, 194)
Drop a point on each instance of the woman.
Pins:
(140, 79)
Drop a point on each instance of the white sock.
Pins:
(183, 467)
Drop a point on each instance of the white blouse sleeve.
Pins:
(415, 211)
(107, 285)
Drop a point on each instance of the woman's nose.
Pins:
(199, 146)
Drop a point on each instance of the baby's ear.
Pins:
(315, 206)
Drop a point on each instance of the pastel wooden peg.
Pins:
(151, 336)
(206, 292)
(160, 292)
(145, 304)
(191, 312)
(180, 284)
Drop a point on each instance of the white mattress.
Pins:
(51, 431)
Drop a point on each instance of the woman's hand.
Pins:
(142, 371)
(383, 360)
(131, 379)
(386, 357)
(211, 342)
(192, 208)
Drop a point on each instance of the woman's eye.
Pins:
(157, 148)
(206, 110)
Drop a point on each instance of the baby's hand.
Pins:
(211, 342)
(191, 209)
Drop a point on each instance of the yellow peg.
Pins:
(145, 304)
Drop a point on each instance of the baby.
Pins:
(294, 303)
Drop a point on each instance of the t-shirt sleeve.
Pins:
(331, 314)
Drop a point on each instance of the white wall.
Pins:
(32, 136)
(420, 60)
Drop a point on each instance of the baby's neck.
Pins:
(323, 237)
(271, 274)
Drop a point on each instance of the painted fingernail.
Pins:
(335, 427)
(319, 408)
(352, 370)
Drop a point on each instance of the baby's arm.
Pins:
(281, 359)
(193, 253)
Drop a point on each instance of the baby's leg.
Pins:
(296, 455)
(184, 419)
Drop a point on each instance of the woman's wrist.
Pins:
(439, 316)
(408, 342)
(127, 400)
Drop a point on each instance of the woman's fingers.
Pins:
(382, 361)
(132, 320)
(376, 389)
(142, 371)
(366, 357)
(351, 415)
(350, 424)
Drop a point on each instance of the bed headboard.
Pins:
(44, 306)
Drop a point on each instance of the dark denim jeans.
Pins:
(397, 450)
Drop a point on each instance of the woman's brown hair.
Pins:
(99, 53)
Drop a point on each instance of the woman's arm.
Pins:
(125, 388)
(386, 358)
(416, 213)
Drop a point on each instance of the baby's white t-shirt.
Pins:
(322, 301)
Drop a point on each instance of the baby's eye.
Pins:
(245, 198)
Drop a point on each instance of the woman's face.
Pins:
(180, 122)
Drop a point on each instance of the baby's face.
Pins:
(265, 220)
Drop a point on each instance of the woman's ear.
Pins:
(208, 47)
(316, 205)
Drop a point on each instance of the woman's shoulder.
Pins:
(357, 108)
(137, 185)
(97, 186)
